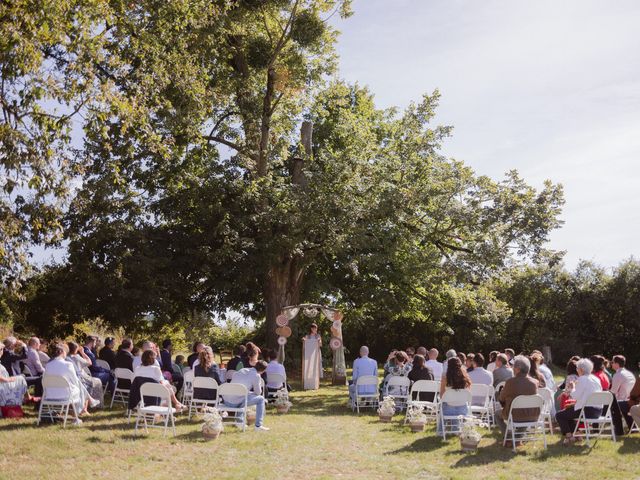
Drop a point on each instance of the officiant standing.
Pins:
(311, 359)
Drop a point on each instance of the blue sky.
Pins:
(549, 88)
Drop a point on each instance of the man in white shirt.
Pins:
(361, 367)
(60, 367)
(621, 384)
(434, 364)
(447, 356)
(250, 378)
(479, 375)
(33, 357)
(137, 360)
(275, 367)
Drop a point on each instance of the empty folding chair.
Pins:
(122, 387)
(525, 431)
(398, 387)
(230, 394)
(56, 399)
(547, 410)
(149, 412)
(205, 393)
(419, 394)
(596, 427)
(366, 392)
(452, 398)
(187, 387)
(483, 394)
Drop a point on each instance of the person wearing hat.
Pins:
(107, 352)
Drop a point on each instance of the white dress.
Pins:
(311, 362)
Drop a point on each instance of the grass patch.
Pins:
(320, 438)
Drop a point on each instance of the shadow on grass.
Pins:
(427, 443)
(630, 445)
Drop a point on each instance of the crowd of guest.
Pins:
(514, 375)
(24, 364)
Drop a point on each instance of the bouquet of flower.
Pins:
(212, 420)
(469, 429)
(282, 399)
(387, 407)
(415, 414)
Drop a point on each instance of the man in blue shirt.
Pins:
(361, 367)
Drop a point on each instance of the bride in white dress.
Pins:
(311, 359)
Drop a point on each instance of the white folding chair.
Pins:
(28, 374)
(150, 413)
(546, 414)
(484, 412)
(124, 377)
(398, 387)
(56, 399)
(585, 426)
(430, 407)
(453, 398)
(276, 379)
(634, 427)
(362, 399)
(496, 394)
(103, 364)
(202, 383)
(235, 391)
(187, 387)
(525, 431)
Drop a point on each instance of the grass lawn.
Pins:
(319, 438)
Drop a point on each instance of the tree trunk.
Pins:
(282, 288)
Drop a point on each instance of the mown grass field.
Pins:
(320, 438)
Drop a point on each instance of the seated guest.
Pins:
(422, 351)
(599, 364)
(534, 373)
(13, 352)
(434, 365)
(456, 378)
(363, 366)
(250, 378)
(510, 355)
(634, 403)
(450, 354)
(107, 354)
(520, 384)
(42, 352)
(103, 374)
(468, 363)
(80, 361)
(59, 366)
(251, 354)
(166, 365)
(549, 381)
(33, 359)
(236, 362)
(463, 359)
(124, 357)
(420, 371)
(398, 365)
(180, 364)
(206, 367)
(492, 361)
(197, 348)
(13, 388)
(479, 375)
(275, 367)
(564, 399)
(502, 372)
(146, 347)
(622, 384)
(580, 390)
(410, 351)
(149, 368)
